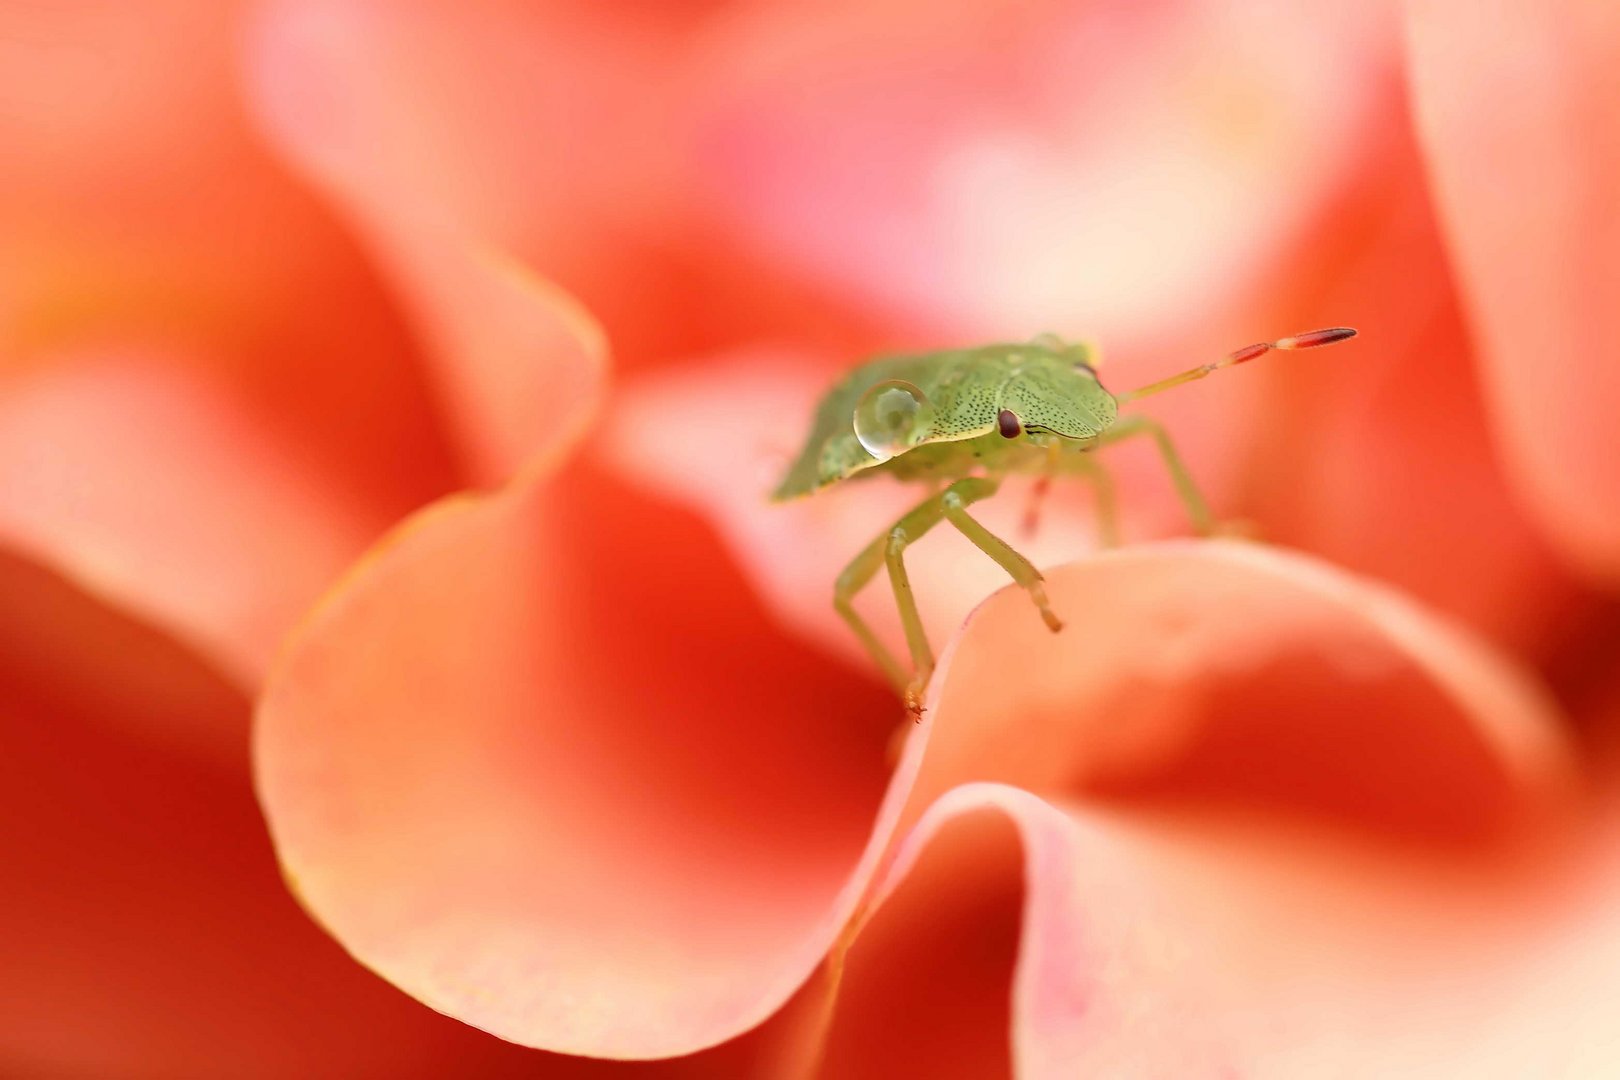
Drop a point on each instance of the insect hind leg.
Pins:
(889, 551)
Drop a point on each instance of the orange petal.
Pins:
(136, 863)
(338, 91)
(1246, 675)
(159, 489)
(990, 171)
(1085, 941)
(1380, 456)
(1518, 105)
(139, 210)
(539, 763)
(1183, 909)
(148, 933)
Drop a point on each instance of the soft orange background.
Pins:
(585, 760)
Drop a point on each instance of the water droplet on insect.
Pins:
(892, 417)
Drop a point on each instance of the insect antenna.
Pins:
(1311, 340)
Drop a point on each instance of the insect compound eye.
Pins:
(892, 417)
(1007, 423)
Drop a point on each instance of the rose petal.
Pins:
(541, 764)
(156, 487)
(991, 172)
(139, 212)
(1518, 106)
(148, 933)
(1246, 675)
(338, 90)
(1185, 910)
(925, 986)
(1199, 945)
(1380, 456)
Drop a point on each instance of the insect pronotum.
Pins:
(966, 418)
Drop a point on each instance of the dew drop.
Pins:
(892, 417)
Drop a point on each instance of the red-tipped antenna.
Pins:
(1311, 340)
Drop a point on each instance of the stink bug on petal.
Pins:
(969, 417)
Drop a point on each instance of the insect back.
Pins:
(893, 406)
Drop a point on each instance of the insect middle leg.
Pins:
(1191, 497)
(889, 550)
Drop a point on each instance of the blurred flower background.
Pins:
(584, 760)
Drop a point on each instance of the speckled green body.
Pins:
(1049, 385)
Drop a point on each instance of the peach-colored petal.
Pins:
(147, 932)
(136, 475)
(150, 685)
(1241, 673)
(1167, 943)
(924, 987)
(541, 763)
(1381, 459)
(339, 89)
(1518, 105)
(1185, 912)
(138, 209)
(987, 170)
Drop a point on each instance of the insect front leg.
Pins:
(1191, 497)
(922, 655)
(889, 551)
(854, 578)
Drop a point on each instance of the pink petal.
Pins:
(340, 90)
(178, 319)
(540, 764)
(1205, 945)
(147, 931)
(1380, 457)
(1185, 912)
(989, 171)
(1247, 675)
(163, 491)
(1518, 105)
(140, 212)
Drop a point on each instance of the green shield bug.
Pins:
(964, 419)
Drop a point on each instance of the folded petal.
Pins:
(1054, 938)
(1245, 675)
(147, 932)
(437, 186)
(1518, 106)
(138, 209)
(1267, 814)
(542, 764)
(160, 489)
